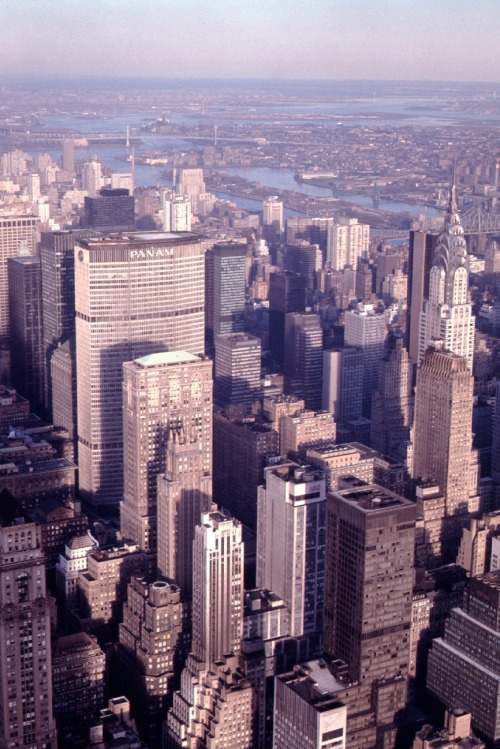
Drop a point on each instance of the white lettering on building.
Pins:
(153, 252)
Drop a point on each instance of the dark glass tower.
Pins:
(25, 308)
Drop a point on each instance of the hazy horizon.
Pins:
(391, 40)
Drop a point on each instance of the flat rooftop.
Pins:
(315, 683)
(140, 238)
(166, 358)
(372, 498)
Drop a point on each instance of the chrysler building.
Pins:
(447, 314)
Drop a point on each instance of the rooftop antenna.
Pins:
(127, 144)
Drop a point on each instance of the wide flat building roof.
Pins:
(166, 358)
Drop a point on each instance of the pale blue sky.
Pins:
(345, 39)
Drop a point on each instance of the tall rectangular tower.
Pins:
(291, 518)
(442, 449)
(134, 295)
(16, 233)
(26, 719)
(365, 328)
(237, 369)
(287, 293)
(217, 587)
(368, 594)
(166, 396)
(25, 307)
(225, 301)
(57, 256)
(303, 362)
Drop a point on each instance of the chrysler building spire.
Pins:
(447, 314)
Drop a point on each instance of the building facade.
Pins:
(166, 396)
(26, 717)
(135, 295)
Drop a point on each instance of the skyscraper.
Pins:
(291, 519)
(15, 232)
(176, 213)
(237, 369)
(26, 719)
(447, 314)
(225, 289)
(217, 608)
(68, 155)
(303, 358)
(420, 255)
(348, 241)
(392, 401)
(111, 210)
(215, 704)
(368, 591)
(365, 328)
(272, 213)
(92, 177)
(134, 296)
(287, 293)
(166, 396)
(25, 307)
(442, 441)
(57, 255)
(343, 382)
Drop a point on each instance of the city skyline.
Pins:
(342, 40)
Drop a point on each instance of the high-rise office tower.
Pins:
(447, 314)
(112, 210)
(287, 293)
(92, 177)
(63, 385)
(463, 666)
(217, 609)
(241, 446)
(291, 521)
(134, 296)
(442, 438)
(272, 212)
(303, 360)
(176, 213)
(348, 241)
(237, 369)
(34, 187)
(392, 401)
(215, 704)
(166, 396)
(25, 308)
(343, 382)
(68, 156)
(365, 328)
(15, 232)
(57, 255)
(305, 260)
(368, 592)
(26, 719)
(225, 268)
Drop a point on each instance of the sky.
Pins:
(455, 40)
